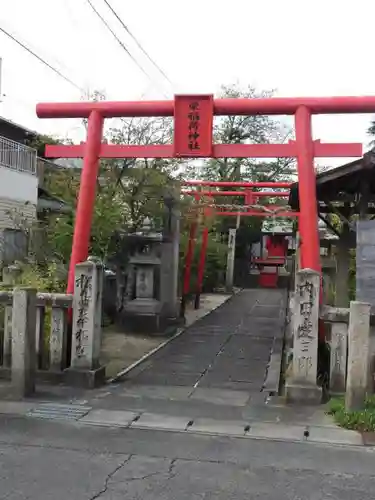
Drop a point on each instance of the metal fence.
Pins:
(17, 157)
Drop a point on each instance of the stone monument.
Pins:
(85, 368)
(302, 386)
(365, 279)
(365, 262)
(152, 278)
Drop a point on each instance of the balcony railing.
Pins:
(17, 157)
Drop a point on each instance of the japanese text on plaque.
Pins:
(194, 126)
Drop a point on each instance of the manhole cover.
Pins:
(59, 411)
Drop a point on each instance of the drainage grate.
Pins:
(54, 411)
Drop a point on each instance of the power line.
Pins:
(137, 42)
(40, 59)
(124, 47)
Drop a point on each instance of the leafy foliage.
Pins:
(245, 130)
(40, 141)
(363, 420)
(252, 129)
(215, 262)
(371, 132)
(47, 279)
(127, 190)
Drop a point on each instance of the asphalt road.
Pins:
(44, 460)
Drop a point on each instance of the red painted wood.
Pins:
(217, 151)
(193, 120)
(263, 106)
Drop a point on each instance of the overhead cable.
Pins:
(137, 42)
(124, 47)
(40, 59)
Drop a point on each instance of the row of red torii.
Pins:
(251, 207)
(193, 138)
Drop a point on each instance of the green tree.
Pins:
(245, 130)
(128, 190)
(371, 132)
(40, 141)
(143, 182)
(253, 129)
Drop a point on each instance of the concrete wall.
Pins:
(20, 186)
(18, 197)
(18, 200)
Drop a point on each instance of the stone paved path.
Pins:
(225, 365)
(229, 349)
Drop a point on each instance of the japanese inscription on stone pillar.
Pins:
(365, 262)
(305, 326)
(58, 338)
(339, 339)
(87, 305)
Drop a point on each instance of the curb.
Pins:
(86, 416)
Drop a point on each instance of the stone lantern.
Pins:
(151, 292)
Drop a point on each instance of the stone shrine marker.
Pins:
(305, 328)
(365, 262)
(303, 387)
(87, 314)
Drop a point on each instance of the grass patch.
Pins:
(363, 420)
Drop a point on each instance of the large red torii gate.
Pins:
(193, 118)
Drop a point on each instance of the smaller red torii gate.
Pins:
(193, 138)
(257, 211)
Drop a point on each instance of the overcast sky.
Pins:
(311, 48)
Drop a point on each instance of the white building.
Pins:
(22, 197)
(18, 197)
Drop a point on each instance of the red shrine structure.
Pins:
(193, 138)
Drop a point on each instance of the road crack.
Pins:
(109, 477)
(169, 473)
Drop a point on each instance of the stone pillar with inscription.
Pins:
(58, 339)
(338, 361)
(85, 369)
(358, 355)
(343, 265)
(365, 278)
(302, 385)
(230, 259)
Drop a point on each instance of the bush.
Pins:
(363, 420)
(44, 279)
